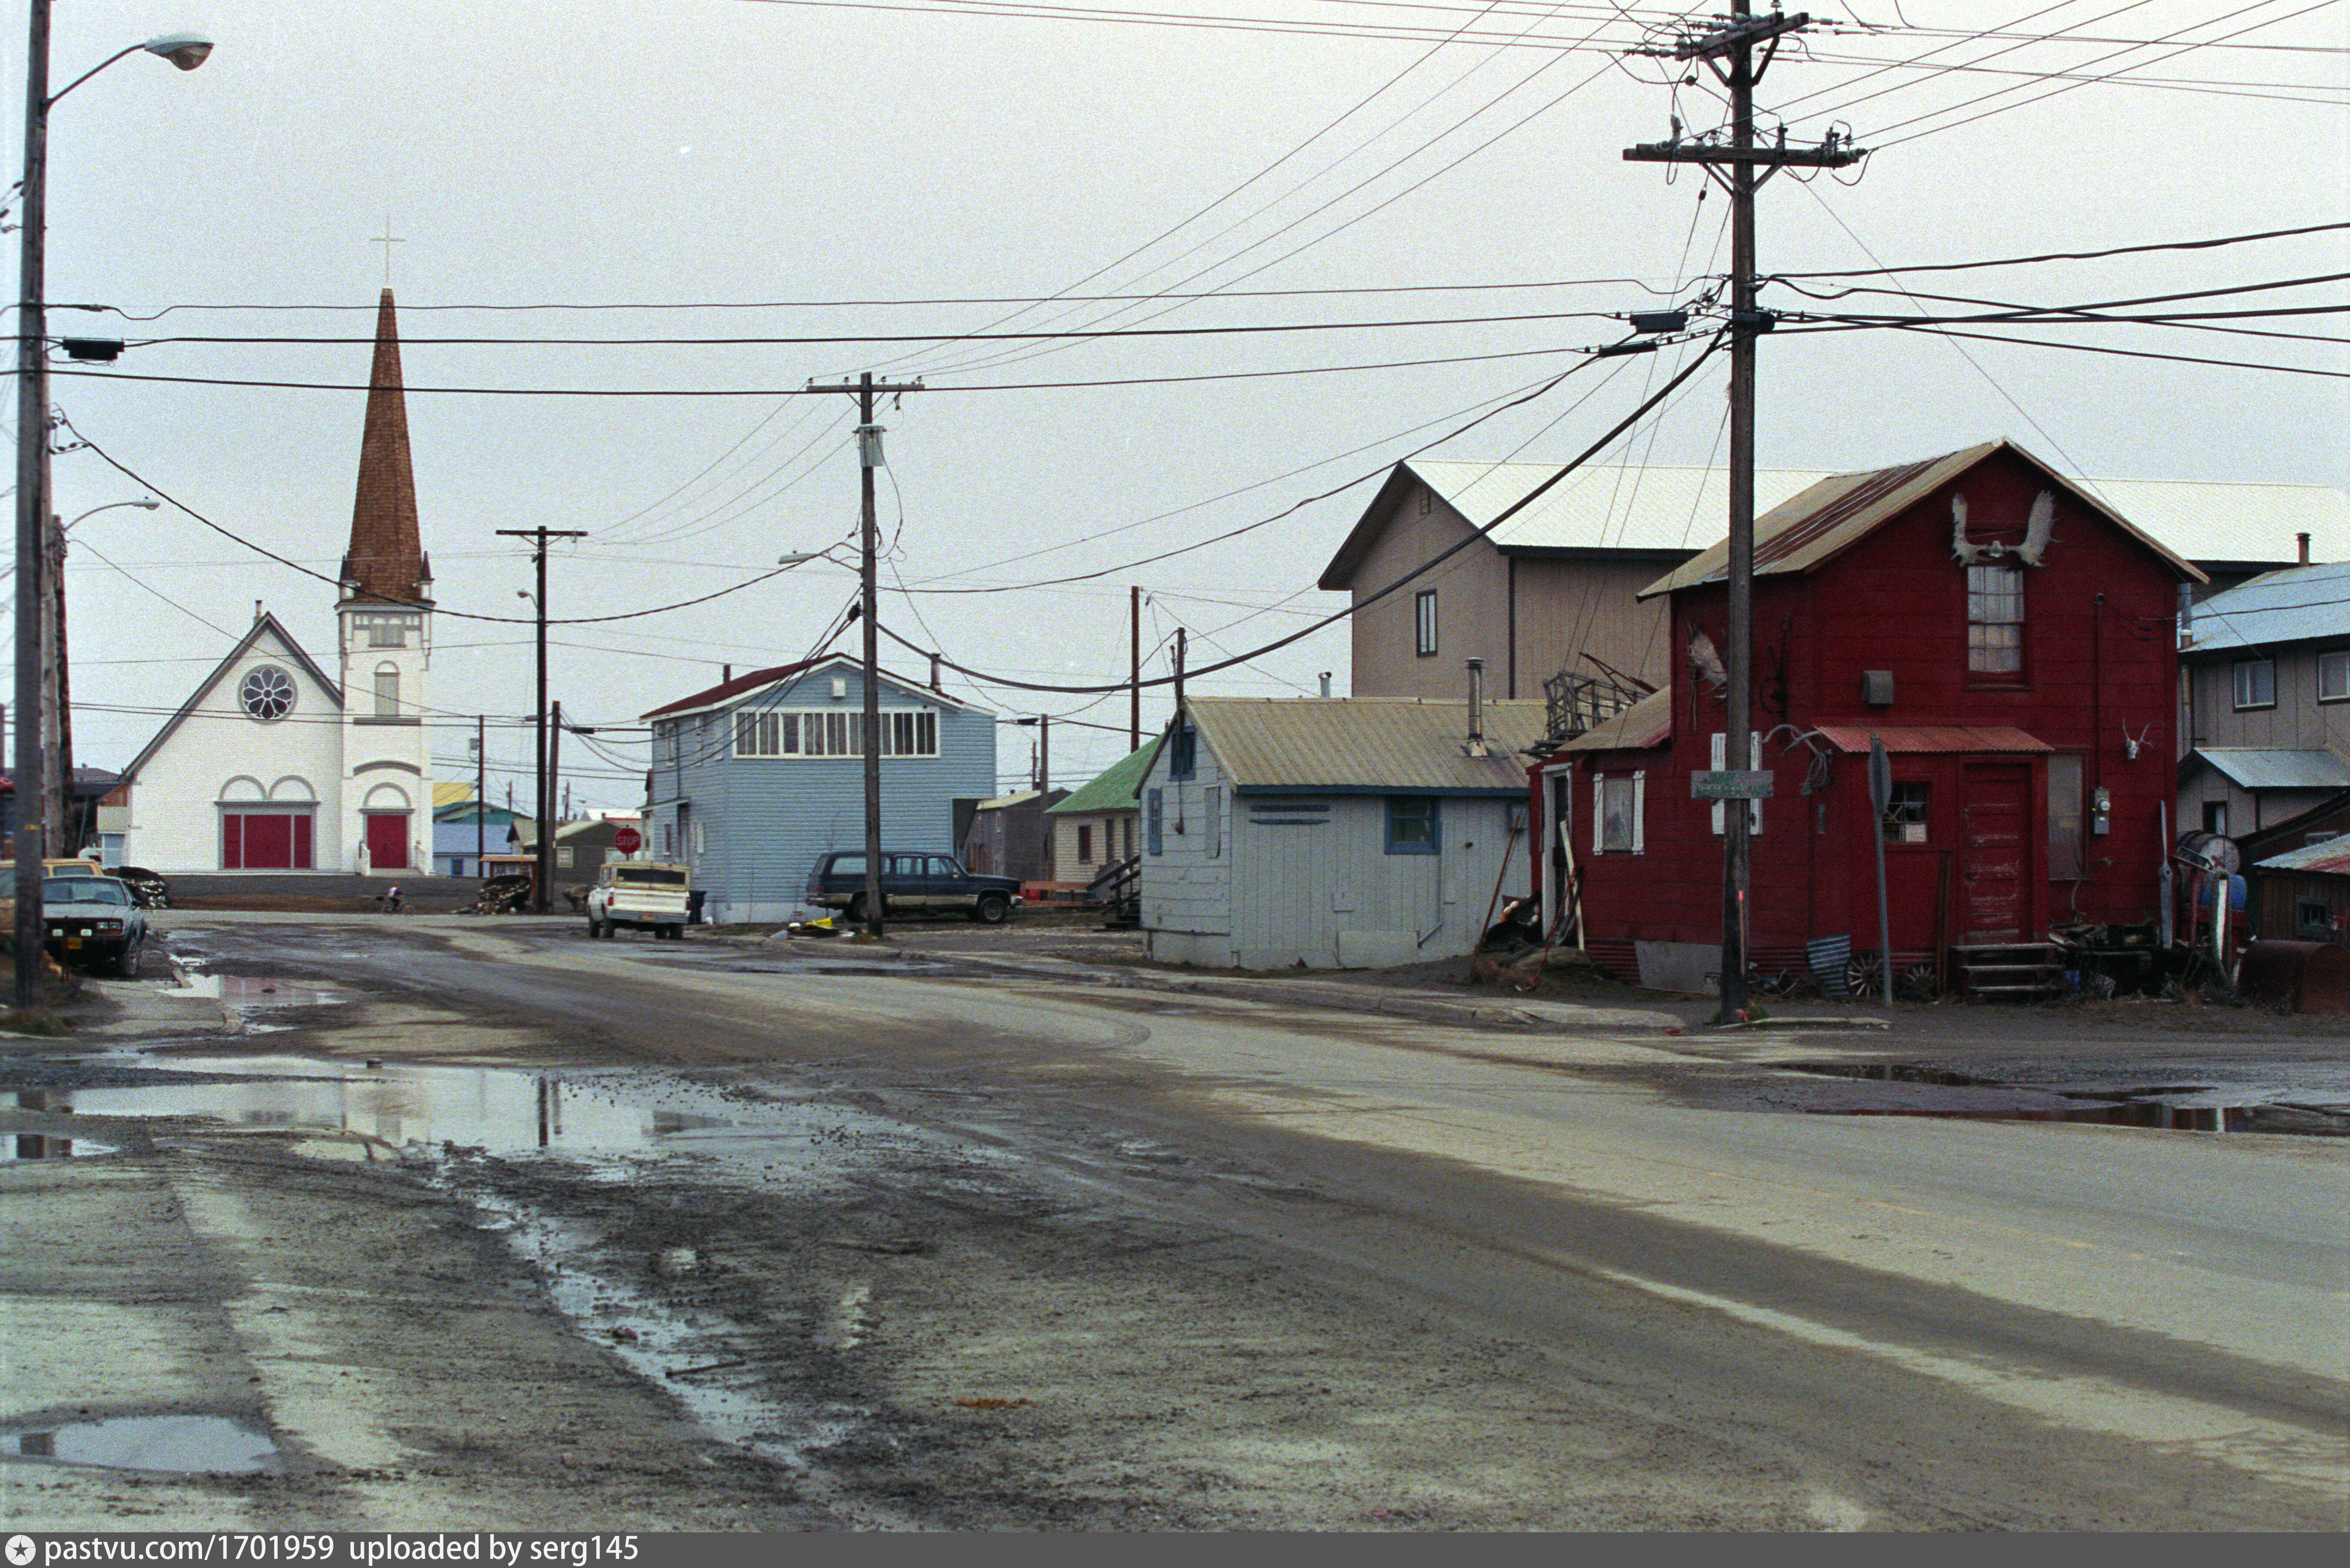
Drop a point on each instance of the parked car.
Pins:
(92, 922)
(651, 895)
(912, 884)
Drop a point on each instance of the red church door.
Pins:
(265, 841)
(1994, 851)
(387, 840)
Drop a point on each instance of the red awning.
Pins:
(1933, 738)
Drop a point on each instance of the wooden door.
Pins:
(1994, 851)
(387, 840)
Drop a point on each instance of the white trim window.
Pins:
(2334, 677)
(1423, 623)
(1720, 811)
(833, 732)
(2255, 684)
(1618, 813)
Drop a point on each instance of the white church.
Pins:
(273, 764)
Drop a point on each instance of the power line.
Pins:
(2069, 255)
(1474, 535)
(797, 392)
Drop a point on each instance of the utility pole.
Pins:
(57, 719)
(1179, 671)
(546, 834)
(868, 457)
(481, 789)
(1134, 647)
(1740, 168)
(545, 803)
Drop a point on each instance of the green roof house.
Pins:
(1095, 828)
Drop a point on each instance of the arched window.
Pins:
(387, 690)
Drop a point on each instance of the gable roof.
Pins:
(262, 624)
(1365, 746)
(1830, 517)
(1115, 787)
(724, 693)
(1601, 509)
(2296, 605)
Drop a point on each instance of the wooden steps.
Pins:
(2009, 971)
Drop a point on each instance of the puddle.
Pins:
(724, 1383)
(49, 1145)
(245, 997)
(2170, 1107)
(179, 1444)
(371, 1112)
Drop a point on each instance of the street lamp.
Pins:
(186, 51)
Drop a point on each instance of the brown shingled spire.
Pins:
(386, 560)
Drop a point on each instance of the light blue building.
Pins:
(755, 778)
(463, 832)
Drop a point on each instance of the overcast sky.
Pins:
(789, 171)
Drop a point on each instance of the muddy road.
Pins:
(429, 1224)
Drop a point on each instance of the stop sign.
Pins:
(628, 841)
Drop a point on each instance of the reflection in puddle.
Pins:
(371, 1112)
(183, 1444)
(49, 1145)
(2172, 1107)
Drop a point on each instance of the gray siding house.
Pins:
(2267, 675)
(1332, 832)
(756, 777)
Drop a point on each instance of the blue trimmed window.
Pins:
(1412, 824)
(1154, 803)
(1182, 753)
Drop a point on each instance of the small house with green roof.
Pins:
(1096, 827)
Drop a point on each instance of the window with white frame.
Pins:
(2334, 677)
(1423, 622)
(1994, 619)
(832, 733)
(387, 692)
(1720, 760)
(1618, 803)
(2255, 684)
(386, 631)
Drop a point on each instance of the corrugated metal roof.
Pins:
(2291, 606)
(2258, 768)
(1936, 738)
(2211, 524)
(1837, 513)
(1114, 788)
(1604, 508)
(1396, 743)
(1648, 723)
(2327, 855)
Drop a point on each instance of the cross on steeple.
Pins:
(386, 242)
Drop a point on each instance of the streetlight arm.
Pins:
(51, 102)
(185, 50)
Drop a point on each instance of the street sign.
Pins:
(1730, 784)
(628, 841)
(1880, 777)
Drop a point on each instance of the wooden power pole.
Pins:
(545, 861)
(868, 457)
(1740, 167)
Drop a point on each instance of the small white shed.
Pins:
(1333, 833)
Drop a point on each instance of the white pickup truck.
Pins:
(650, 895)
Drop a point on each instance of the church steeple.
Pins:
(386, 560)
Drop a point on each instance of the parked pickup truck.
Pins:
(912, 884)
(650, 895)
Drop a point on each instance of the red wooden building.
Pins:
(2010, 640)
